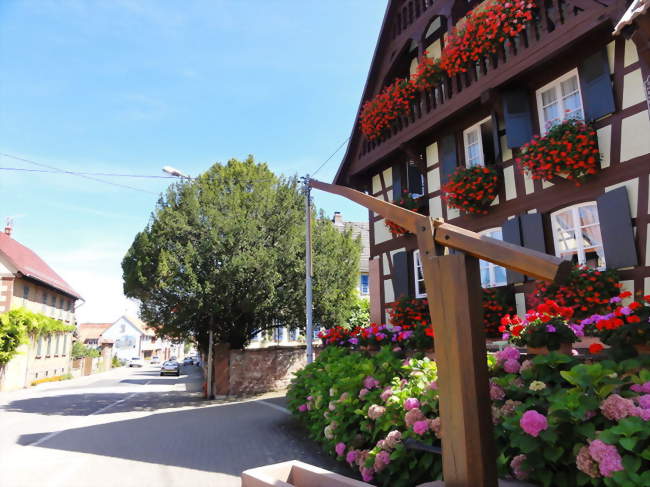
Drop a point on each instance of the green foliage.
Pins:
(115, 362)
(359, 313)
(225, 252)
(17, 325)
(79, 350)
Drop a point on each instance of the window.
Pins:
(492, 275)
(576, 233)
(278, 334)
(293, 334)
(25, 292)
(479, 144)
(559, 101)
(415, 179)
(420, 290)
(363, 285)
(44, 301)
(53, 301)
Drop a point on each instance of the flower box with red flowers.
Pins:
(380, 113)
(546, 326)
(406, 201)
(497, 302)
(626, 326)
(471, 189)
(569, 149)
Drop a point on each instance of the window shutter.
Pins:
(414, 179)
(616, 229)
(511, 233)
(400, 275)
(397, 182)
(496, 140)
(448, 158)
(517, 114)
(532, 231)
(596, 86)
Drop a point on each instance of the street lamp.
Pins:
(180, 174)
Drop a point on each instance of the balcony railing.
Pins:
(553, 20)
(408, 14)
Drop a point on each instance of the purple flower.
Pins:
(353, 341)
(626, 310)
(511, 366)
(363, 392)
(351, 457)
(302, 408)
(616, 407)
(533, 422)
(366, 474)
(411, 403)
(340, 449)
(370, 382)
(382, 459)
(414, 415)
(615, 299)
(607, 456)
(420, 427)
(387, 392)
(644, 401)
(496, 392)
(550, 329)
(579, 330)
(433, 385)
(508, 353)
(641, 388)
(644, 414)
(517, 467)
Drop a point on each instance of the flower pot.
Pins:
(642, 348)
(587, 341)
(565, 348)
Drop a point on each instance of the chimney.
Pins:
(338, 219)
(9, 226)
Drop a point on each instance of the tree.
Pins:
(226, 252)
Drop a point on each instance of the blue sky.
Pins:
(127, 86)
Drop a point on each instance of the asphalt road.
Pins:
(131, 427)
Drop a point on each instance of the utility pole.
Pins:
(309, 333)
(210, 365)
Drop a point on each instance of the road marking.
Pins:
(274, 406)
(101, 410)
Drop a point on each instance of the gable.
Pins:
(120, 328)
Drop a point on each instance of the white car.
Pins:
(155, 360)
(136, 362)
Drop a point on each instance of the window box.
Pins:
(471, 189)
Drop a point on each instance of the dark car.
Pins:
(188, 361)
(170, 367)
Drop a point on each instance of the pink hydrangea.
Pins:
(412, 416)
(351, 457)
(435, 426)
(433, 386)
(644, 401)
(641, 388)
(340, 449)
(526, 365)
(382, 459)
(586, 464)
(517, 467)
(344, 397)
(375, 411)
(533, 422)
(607, 456)
(420, 427)
(370, 382)
(642, 413)
(508, 353)
(496, 392)
(511, 366)
(387, 392)
(392, 439)
(302, 408)
(509, 407)
(411, 403)
(366, 474)
(363, 392)
(616, 407)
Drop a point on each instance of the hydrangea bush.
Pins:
(557, 421)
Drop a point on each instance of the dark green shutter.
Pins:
(596, 86)
(616, 229)
(400, 275)
(511, 233)
(518, 117)
(448, 157)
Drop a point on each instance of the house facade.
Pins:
(359, 230)
(27, 281)
(131, 337)
(566, 64)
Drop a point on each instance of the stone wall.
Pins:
(253, 371)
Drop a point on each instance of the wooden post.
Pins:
(453, 287)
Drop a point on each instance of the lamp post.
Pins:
(179, 174)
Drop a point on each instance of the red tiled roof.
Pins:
(31, 265)
(92, 331)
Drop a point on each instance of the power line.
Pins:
(78, 173)
(332, 155)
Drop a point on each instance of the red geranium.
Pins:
(471, 189)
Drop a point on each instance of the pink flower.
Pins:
(420, 427)
(381, 460)
(363, 392)
(411, 403)
(433, 386)
(387, 392)
(351, 457)
(392, 439)
(607, 456)
(533, 422)
(370, 382)
(340, 449)
(508, 353)
(526, 365)
(366, 474)
(511, 366)
(302, 408)
(344, 397)
(412, 416)
(517, 467)
(616, 407)
(642, 413)
(586, 464)
(435, 426)
(641, 388)
(375, 411)
(644, 401)
(496, 393)
(509, 407)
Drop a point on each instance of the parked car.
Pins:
(136, 362)
(155, 360)
(170, 367)
(188, 361)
